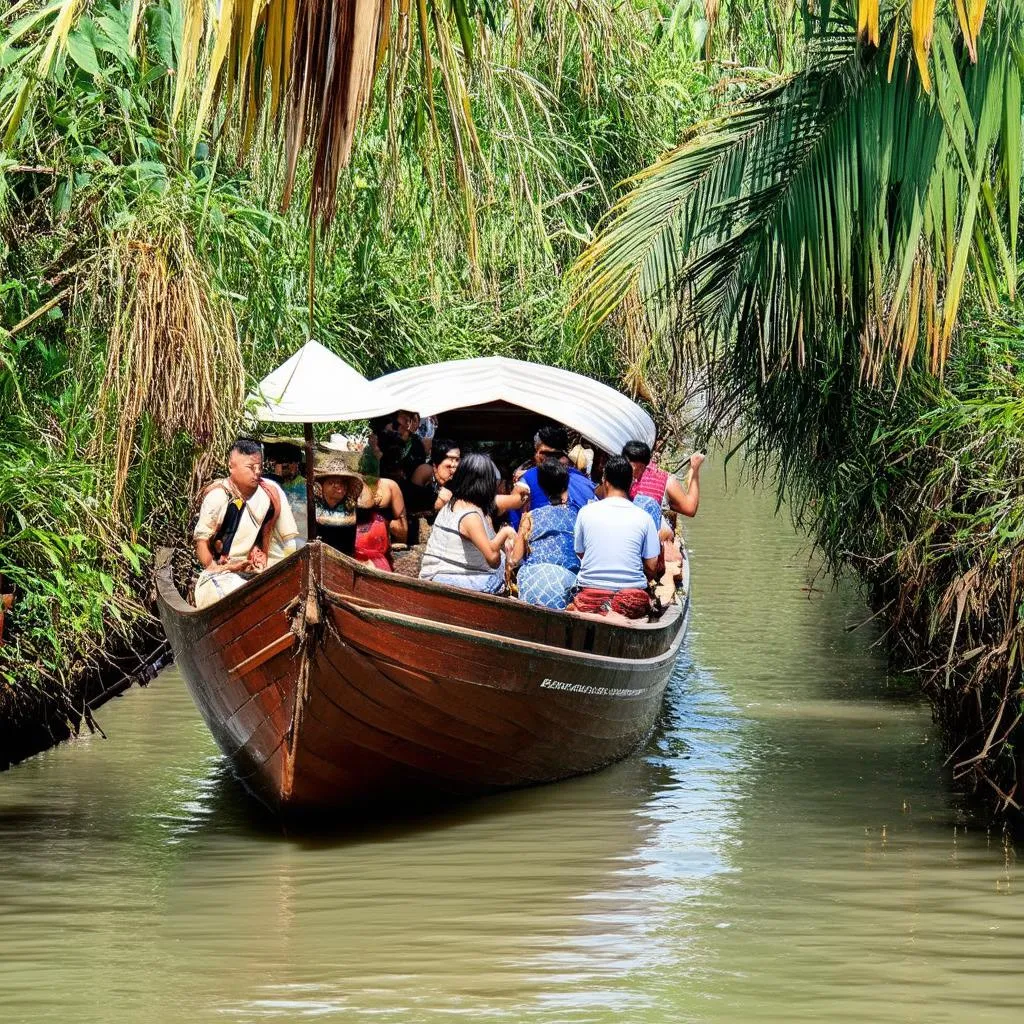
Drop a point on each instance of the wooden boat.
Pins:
(328, 682)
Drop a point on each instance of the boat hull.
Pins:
(329, 684)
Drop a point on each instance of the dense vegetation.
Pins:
(822, 247)
(146, 281)
(834, 264)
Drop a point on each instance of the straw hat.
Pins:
(335, 464)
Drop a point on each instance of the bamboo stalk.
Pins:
(42, 310)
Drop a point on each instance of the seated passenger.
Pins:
(427, 429)
(425, 488)
(340, 487)
(390, 503)
(414, 454)
(244, 522)
(382, 428)
(282, 461)
(550, 442)
(618, 547)
(373, 539)
(659, 485)
(434, 478)
(463, 549)
(544, 549)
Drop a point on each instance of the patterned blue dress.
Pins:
(548, 572)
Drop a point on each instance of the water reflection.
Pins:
(784, 849)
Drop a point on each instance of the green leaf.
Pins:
(1012, 147)
(62, 196)
(159, 30)
(465, 27)
(129, 553)
(82, 48)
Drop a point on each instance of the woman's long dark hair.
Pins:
(475, 481)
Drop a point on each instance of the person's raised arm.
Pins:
(516, 501)
(686, 502)
(472, 528)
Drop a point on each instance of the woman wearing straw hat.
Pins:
(340, 487)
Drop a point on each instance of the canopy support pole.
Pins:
(307, 430)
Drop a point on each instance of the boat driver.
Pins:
(245, 524)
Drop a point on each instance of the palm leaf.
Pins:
(838, 208)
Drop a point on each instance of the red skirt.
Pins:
(630, 603)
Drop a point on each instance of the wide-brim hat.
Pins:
(337, 464)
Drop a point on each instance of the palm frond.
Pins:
(837, 206)
(312, 65)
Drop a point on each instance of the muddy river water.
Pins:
(785, 848)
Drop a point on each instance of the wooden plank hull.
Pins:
(328, 684)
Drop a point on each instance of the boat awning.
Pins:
(316, 386)
(493, 384)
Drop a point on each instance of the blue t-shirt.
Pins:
(581, 492)
(613, 537)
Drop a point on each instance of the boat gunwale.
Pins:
(169, 594)
(491, 639)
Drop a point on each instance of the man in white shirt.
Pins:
(245, 524)
(618, 546)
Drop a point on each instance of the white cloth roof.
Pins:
(316, 386)
(598, 412)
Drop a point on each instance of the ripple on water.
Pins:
(783, 849)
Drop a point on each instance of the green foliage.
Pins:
(136, 271)
(838, 209)
(919, 493)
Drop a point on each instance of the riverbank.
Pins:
(913, 489)
(32, 721)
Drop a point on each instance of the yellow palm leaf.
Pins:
(59, 34)
(191, 37)
(922, 27)
(867, 21)
(977, 16)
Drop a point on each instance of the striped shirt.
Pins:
(613, 537)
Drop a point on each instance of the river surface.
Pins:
(785, 848)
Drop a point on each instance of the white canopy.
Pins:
(315, 386)
(598, 412)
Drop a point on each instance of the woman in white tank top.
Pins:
(463, 549)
